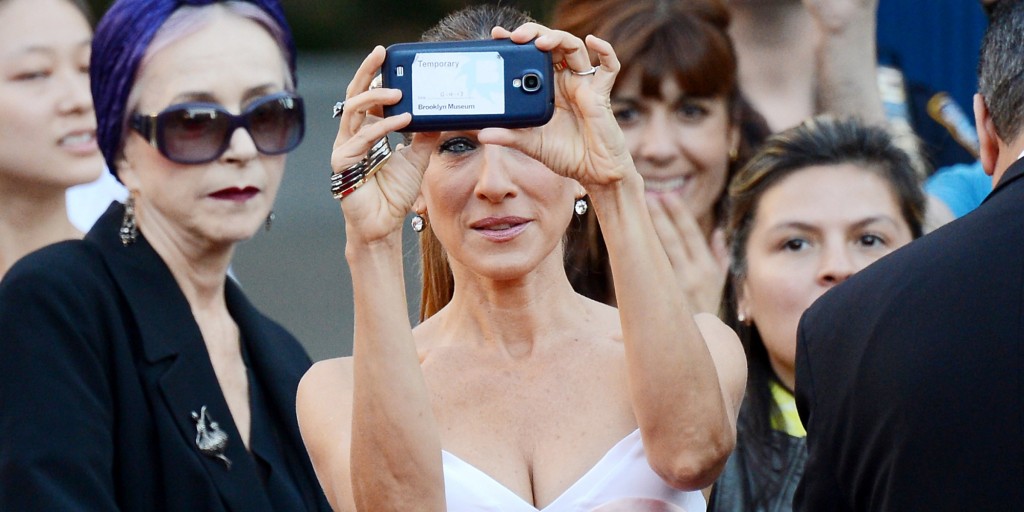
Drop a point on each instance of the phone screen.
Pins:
(458, 83)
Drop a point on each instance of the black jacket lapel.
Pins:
(174, 355)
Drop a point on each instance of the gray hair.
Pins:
(1001, 69)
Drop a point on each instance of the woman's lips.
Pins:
(500, 229)
(236, 194)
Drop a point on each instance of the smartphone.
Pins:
(469, 85)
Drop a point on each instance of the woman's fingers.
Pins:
(354, 148)
(355, 110)
(608, 61)
(367, 70)
(562, 45)
(423, 144)
(667, 234)
(692, 237)
(359, 106)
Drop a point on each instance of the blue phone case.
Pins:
(469, 85)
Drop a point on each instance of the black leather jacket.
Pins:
(743, 479)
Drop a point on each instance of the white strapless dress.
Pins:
(621, 481)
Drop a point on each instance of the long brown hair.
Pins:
(687, 41)
(468, 24)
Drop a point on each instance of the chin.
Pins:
(235, 233)
(83, 170)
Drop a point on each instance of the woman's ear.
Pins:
(127, 174)
(734, 141)
(743, 312)
(420, 205)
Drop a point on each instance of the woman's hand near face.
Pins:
(700, 268)
(380, 205)
(838, 15)
(847, 58)
(582, 140)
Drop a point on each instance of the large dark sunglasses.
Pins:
(197, 133)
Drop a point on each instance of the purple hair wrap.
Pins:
(122, 38)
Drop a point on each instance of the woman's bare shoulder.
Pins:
(326, 388)
(334, 371)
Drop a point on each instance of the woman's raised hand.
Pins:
(378, 208)
(582, 141)
(700, 268)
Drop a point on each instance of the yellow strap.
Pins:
(787, 419)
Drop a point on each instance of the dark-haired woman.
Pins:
(135, 374)
(687, 128)
(816, 204)
(47, 129)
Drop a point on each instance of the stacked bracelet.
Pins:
(345, 182)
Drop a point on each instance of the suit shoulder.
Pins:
(72, 264)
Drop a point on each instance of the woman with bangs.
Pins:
(687, 127)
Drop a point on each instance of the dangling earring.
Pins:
(733, 154)
(417, 223)
(580, 206)
(129, 231)
(270, 220)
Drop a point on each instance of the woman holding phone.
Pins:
(516, 393)
(136, 375)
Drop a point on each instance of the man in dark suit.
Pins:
(910, 375)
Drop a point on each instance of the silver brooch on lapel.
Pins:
(210, 439)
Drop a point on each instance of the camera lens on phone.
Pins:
(531, 82)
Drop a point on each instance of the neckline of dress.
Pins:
(624, 444)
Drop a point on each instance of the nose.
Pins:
(241, 147)
(656, 143)
(76, 97)
(494, 182)
(837, 265)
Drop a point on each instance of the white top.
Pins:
(88, 201)
(621, 481)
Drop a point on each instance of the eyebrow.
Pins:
(635, 100)
(206, 97)
(40, 48)
(885, 219)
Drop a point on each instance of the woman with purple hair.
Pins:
(136, 375)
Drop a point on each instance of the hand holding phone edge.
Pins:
(519, 94)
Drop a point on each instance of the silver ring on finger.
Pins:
(588, 72)
(339, 107)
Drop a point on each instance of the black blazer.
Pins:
(102, 364)
(910, 375)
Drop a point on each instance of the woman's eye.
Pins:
(692, 111)
(871, 240)
(32, 75)
(626, 116)
(457, 146)
(794, 244)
